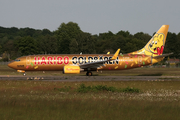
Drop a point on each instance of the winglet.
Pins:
(115, 55)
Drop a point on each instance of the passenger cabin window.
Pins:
(17, 60)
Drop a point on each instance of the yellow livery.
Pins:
(75, 63)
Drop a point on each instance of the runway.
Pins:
(90, 78)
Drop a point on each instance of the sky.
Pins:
(93, 16)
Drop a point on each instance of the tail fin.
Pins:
(156, 44)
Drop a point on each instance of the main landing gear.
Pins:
(89, 73)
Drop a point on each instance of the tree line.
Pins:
(70, 39)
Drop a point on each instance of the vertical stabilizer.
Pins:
(156, 44)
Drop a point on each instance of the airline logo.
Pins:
(90, 59)
(51, 60)
(72, 69)
(58, 60)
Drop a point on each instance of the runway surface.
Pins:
(90, 78)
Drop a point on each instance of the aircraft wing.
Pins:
(99, 63)
(93, 64)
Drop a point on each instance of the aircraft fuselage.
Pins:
(57, 62)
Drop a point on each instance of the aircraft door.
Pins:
(28, 60)
(139, 60)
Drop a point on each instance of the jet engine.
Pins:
(70, 69)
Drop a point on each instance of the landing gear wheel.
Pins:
(89, 73)
(24, 74)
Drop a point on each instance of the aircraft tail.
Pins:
(156, 44)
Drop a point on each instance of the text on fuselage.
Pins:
(58, 60)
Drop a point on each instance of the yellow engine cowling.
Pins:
(71, 69)
(21, 71)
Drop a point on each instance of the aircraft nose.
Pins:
(11, 65)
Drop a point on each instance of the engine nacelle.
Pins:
(21, 71)
(71, 69)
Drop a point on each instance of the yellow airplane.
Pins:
(151, 53)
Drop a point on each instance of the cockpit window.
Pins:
(17, 60)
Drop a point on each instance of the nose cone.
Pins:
(12, 65)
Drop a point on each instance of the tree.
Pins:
(74, 47)
(69, 38)
(103, 42)
(27, 45)
(130, 47)
(83, 43)
(142, 36)
(47, 44)
(178, 45)
(0, 49)
(64, 34)
(138, 43)
(9, 49)
(124, 33)
(118, 41)
(46, 32)
(86, 43)
(108, 35)
(171, 45)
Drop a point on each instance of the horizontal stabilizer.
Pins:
(164, 55)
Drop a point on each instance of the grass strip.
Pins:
(98, 88)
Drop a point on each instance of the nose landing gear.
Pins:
(24, 74)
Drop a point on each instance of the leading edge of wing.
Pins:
(99, 63)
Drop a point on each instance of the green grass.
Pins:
(44, 100)
(98, 88)
(89, 109)
(36, 100)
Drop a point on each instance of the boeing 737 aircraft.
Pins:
(151, 53)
